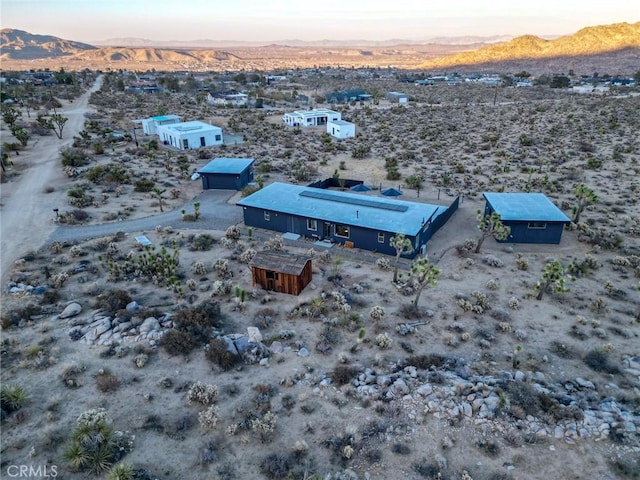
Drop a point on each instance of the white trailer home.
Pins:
(341, 129)
(190, 135)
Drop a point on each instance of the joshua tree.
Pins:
(424, 275)
(491, 226)
(402, 245)
(553, 275)
(58, 122)
(158, 193)
(584, 196)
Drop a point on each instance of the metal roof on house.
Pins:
(279, 262)
(227, 165)
(376, 213)
(525, 207)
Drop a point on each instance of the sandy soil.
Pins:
(420, 432)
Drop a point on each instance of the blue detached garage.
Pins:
(351, 219)
(227, 173)
(533, 218)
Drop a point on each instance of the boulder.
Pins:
(71, 310)
(254, 334)
(149, 324)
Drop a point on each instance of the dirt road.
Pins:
(26, 213)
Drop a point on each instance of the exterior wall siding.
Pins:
(521, 233)
(285, 283)
(226, 181)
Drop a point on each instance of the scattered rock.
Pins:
(71, 310)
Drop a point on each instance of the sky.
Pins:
(270, 20)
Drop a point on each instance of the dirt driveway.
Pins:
(26, 212)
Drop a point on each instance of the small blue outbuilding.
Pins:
(532, 217)
(227, 173)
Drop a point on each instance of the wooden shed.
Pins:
(281, 272)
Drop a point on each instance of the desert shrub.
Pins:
(425, 362)
(74, 157)
(383, 264)
(199, 321)
(122, 471)
(342, 374)
(626, 467)
(490, 448)
(12, 398)
(209, 418)
(178, 343)
(70, 376)
(598, 359)
(275, 466)
(410, 311)
(202, 393)
(106, 381)
(110, 173)
(144, 185)
(383, 341)
(563, 350)
(427, 470)
(524, 396)
(199, 268)
(202, 242)
(401, 449)
(113, 301)
(217, 352)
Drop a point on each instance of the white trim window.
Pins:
(537, 225)
(342, 230)
(267, 215)
(312, 224)
(380, 237)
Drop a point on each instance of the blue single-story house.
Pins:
(350, 219)
(533, 218)
(227, 173)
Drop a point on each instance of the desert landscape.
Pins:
(167, 362)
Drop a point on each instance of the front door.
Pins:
(327, 230)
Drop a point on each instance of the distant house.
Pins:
(228, 99)
(190, 135)
(533, 218)
(281, 272)
(397, 97)
(350, 219)
(311, 118)
(341, 129)
(346, 96)
(227, 173)
(150, 125)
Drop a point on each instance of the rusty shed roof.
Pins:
(280, 262)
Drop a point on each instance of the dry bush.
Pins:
(106, 381)
(217, 352)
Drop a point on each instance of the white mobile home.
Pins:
(190, 135)
(150, 125)
(341, 129)
(397, 97)
(311, 118)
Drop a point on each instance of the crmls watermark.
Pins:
(32, 471)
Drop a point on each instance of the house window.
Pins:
(380, 237)
(267, 216)
(342, 231)
(538, 225)
(185, 144)
(218, 138)
(271, 275)
(312, 224)
(202, 142)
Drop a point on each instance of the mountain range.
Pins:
(592, 48)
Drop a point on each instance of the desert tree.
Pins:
(415, 181)
(553, 278)
(402, 245)
(157, 192)
(491, 226)
(21, 134)
(424, 274)
(10, 116)
(584, 196)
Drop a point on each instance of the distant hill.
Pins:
(18, 44)
(587, 43)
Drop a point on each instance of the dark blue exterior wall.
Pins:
(525, 232)
(522, 233)
(226, 181)
(359, 237)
